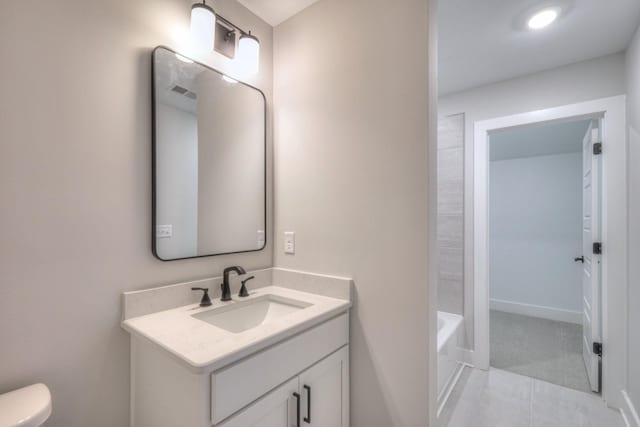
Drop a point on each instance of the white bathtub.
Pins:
(449, 354)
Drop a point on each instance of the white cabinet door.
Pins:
(324, 390)
(276, 409)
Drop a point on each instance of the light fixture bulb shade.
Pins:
(203, 25)
(248, 55)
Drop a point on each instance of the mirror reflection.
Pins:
(209, 161)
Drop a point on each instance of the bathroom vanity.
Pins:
(279, 357)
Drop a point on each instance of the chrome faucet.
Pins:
(226, 289)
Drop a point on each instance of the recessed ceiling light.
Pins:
(542, 19)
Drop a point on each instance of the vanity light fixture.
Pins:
(249, 54)
(542, 19)
(212, 32)
(203, 24)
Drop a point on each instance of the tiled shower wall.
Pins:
(451, 213)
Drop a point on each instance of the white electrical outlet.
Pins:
(260, 239)
(289, 242)
(164, 231)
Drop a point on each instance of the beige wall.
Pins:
(351, 180)
(75, 179)
(584, 81)
(633, 300)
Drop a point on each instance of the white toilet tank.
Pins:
(26, 407)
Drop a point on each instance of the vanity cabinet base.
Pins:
(165, 393)
(317, 397)
(309, 371)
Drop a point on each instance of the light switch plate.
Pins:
(289, 242)
(260, 239)
(164, 231)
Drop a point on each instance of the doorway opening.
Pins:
(607, 244)
(544, 281)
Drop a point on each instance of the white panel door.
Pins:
(325, 392)
(591, 201)
(276, 409)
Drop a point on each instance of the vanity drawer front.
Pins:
(235, 387)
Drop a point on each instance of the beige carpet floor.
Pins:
(538, 348)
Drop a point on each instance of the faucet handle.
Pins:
(243, 290)
(205, 301)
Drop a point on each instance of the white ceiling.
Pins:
(275, 12)
(537, 140)
(485, 41)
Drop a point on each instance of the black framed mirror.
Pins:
(209, 161)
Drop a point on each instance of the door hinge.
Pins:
(597, 348)
(597, 148)
(597, 248)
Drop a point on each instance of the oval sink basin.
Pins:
(244, 315)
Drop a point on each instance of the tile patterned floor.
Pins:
(498, 398)
(538, 348)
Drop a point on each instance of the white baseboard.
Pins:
(629, 412)
(466, 357)
(531, 310)
(472, 360)
(442, 400)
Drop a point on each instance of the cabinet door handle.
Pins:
(297, 396)
(307, 419)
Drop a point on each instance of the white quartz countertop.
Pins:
(205, 347)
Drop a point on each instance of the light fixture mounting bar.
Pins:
(215, 33)
(228, 23)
